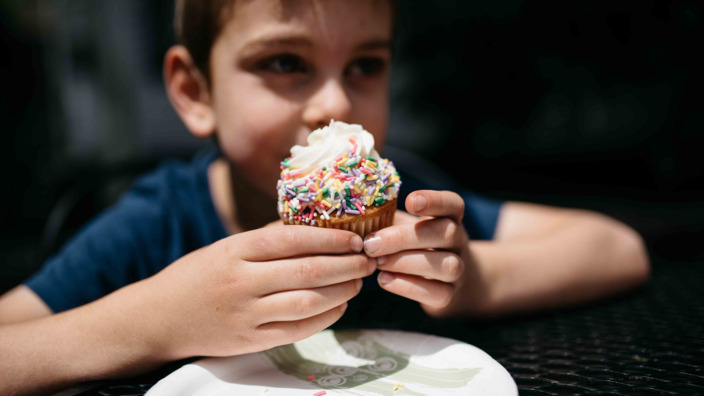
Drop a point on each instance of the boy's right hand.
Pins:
(255, 290)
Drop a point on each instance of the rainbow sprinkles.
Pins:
(338, 174)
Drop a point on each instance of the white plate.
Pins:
(364, 362)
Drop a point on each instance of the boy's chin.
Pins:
(262, 185)
(263, 189)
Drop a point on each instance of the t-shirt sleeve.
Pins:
(166, 214)
(121, 246)
(481, 215)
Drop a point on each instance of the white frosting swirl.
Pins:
(327, 143)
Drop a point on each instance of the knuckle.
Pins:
(335, 238)
(309, 272)
(452, 266)
(449, 228)
(339, 238)
(293, 236)
(360, 263)
(222, 248)
(262, 240)
(392, 234)
(330, 317)
(348, 239)
(460, 202)
(445, 296)
(297, 328)
(304, 305)
(351, 285)
(248, 337)
(257, 240)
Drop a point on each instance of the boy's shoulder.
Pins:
(166, 214)
(175, 176)
(176, 191)
(177, 196)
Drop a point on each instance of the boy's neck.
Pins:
(240, 205)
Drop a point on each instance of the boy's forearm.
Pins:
(585, 260)
(96, 341)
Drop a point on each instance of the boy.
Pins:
(259, 76)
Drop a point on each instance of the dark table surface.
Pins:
(650, 341)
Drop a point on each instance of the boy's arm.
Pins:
(95, 341)
(243, 294)
(21, 304)
(542, 257)
(545, 257)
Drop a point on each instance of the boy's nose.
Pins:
(331, 101)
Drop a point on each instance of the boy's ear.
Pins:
(188, 92)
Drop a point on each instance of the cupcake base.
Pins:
(375, 218)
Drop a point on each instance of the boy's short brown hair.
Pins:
(198, 23)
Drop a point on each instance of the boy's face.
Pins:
(281, 69)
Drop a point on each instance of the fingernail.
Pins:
(419, 203)
(372, 244)
(358, 284)
(384, 278)
(381, 260)
(357, 244)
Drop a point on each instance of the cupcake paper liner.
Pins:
(374, 219)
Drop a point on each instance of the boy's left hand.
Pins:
(425, 257)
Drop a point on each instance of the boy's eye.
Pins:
(366, 67)
(286, 63)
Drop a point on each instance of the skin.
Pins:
(230, 298)
(277, 73)
(541, 258)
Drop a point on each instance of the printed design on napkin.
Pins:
(354, 362)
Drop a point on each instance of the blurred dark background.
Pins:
(594, 105)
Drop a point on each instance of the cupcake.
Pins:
(338, 181)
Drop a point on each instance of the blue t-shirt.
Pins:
(167, 214)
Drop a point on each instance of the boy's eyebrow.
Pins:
(269, 42)
(375, 44)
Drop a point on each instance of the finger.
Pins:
(310, 272)
(276, 223)
(431, 293)
(402, 217)
(434, 233)
(290, 241)
(436, 204)
(301, 304)
(432, 264)
(282, 333)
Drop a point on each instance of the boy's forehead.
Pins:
(328, 20)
